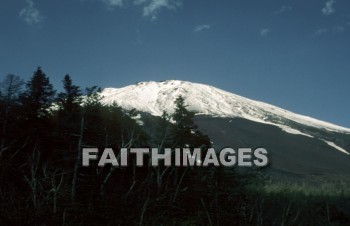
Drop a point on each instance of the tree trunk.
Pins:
(77, 163)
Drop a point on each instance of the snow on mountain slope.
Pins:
(154, 97)
(336, 147)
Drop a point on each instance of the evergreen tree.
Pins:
(36, 115)
(69, 113)
(39, 95)
(69, 101)
(185, 132)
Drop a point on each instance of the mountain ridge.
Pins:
(297, 143)
(154, 97)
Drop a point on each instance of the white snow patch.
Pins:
(336, 147)
(138, 120)
(293, 131)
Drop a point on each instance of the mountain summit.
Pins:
(155, 97)
(298, 144)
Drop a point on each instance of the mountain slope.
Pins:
(299, 145)
(154, 97)
(289, 153)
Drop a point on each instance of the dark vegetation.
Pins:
(42, 181)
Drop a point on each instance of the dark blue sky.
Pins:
(294, 54)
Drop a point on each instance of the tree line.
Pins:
(42, 181)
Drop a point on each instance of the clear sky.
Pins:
(294, 54)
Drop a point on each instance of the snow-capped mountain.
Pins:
(155, 97)
(298, 144)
